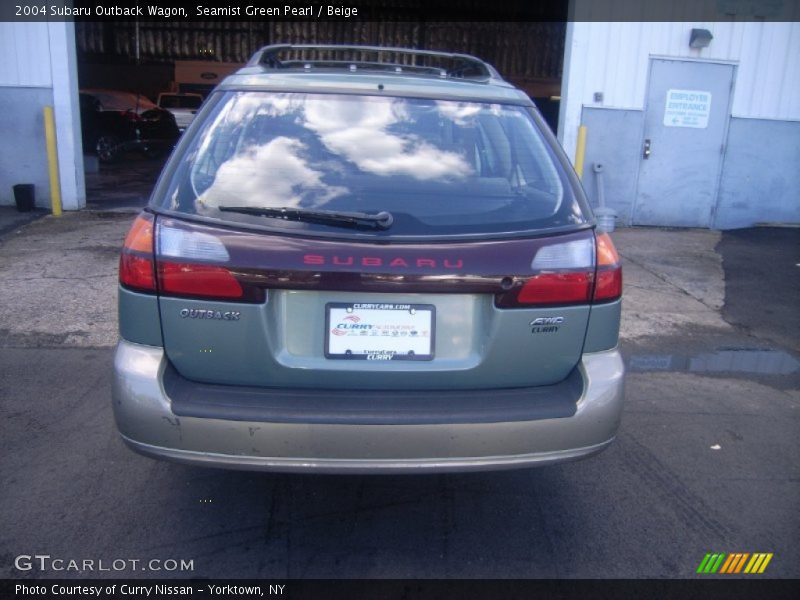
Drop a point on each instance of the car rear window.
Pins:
(439, 167)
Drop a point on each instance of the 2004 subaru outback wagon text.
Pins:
(379, 265)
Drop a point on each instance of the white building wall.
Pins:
(25, 49)
(613, 58)
(38, 69)
(64, 74)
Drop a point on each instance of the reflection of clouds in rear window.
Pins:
(461, 113)
(354, 129)
(359, 131)
(273, 174)
(443, 163)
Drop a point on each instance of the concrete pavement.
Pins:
(60, 278)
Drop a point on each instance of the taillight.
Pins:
(578, 271)
(194, 264)
(136, 261)
(563, 273)
(609, 271)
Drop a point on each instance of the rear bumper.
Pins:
(145, 418)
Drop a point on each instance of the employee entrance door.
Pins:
(685, 124)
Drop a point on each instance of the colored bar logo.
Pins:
(735, 562)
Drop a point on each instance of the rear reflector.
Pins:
(205, 281)
(136, 261)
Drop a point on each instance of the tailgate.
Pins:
(461, 302)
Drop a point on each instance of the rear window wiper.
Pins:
(355, 220)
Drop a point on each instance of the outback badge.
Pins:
(196, 313)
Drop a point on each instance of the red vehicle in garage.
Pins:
(114, 122)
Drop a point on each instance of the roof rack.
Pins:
(307, 57)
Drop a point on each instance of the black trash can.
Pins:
(25, 197)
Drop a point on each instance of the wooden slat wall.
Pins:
(521, 51)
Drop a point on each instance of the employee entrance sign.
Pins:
(687, 108)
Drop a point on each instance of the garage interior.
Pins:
(161, 56)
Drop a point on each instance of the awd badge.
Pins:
(546, 324)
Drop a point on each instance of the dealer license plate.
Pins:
(379, 331)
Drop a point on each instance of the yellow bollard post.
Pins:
(580, 150)
(52, 160)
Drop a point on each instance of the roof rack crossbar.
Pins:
(461, 64)
(361, 64)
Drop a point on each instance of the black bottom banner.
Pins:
(73, 589)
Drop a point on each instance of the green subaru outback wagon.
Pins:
(368, 259)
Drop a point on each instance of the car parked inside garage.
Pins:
(368, 259)
(183, 106)
(114, 122)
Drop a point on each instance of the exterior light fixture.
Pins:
(700, 38)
